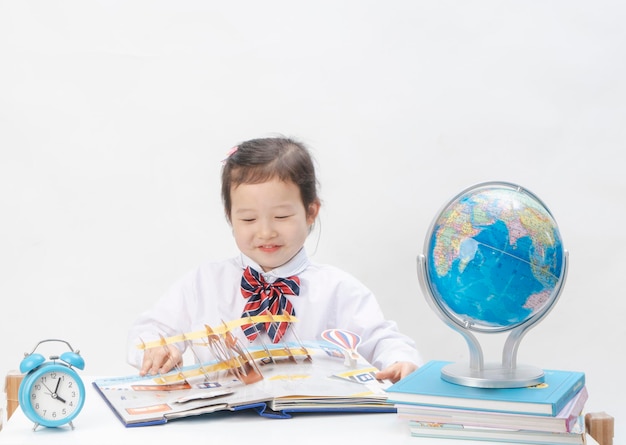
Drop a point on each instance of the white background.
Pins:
(115, 115)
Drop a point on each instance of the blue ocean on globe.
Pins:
(495, 257)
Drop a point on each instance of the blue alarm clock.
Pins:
(51, 393)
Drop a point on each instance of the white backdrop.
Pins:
(115, 115)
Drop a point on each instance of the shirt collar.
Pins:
(294, 266)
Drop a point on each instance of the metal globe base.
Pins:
(492, 375)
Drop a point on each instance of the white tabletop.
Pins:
(97, 424)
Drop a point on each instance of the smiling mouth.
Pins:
(269, 248)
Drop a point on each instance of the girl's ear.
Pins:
(313, 211)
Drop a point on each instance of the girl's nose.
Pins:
(266, 229)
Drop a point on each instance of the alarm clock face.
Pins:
(52, 395)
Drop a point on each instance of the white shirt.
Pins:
(329, 298)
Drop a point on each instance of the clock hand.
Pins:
(55, 395)
(46, 386)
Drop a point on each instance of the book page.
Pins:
(319, 378)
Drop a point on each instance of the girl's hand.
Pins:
(160, 360)
(397, 371)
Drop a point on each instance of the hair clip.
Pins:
(230, 153)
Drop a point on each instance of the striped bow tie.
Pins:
(267, 297)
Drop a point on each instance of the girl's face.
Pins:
(269, 221)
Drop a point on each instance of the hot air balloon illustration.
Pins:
(347, 341)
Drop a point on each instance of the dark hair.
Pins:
(259, 160)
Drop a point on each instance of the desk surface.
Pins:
(96, 424)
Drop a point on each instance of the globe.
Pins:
(493, 261)
(495, 257)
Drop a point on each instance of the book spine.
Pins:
(568, 395)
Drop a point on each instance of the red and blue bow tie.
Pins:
(264, 297)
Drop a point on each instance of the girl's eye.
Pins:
(247, 219)
(283, 217)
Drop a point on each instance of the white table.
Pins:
(97, 424)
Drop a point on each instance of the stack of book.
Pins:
(548, 413)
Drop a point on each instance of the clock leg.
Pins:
(71, 425)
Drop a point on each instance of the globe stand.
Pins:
(507, 374)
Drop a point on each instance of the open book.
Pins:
(275, 380)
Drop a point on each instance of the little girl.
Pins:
(270, 199)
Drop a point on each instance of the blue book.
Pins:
(426, 387)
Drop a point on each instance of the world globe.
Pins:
(493, 262)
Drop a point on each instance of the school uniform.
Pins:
(328, 298)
